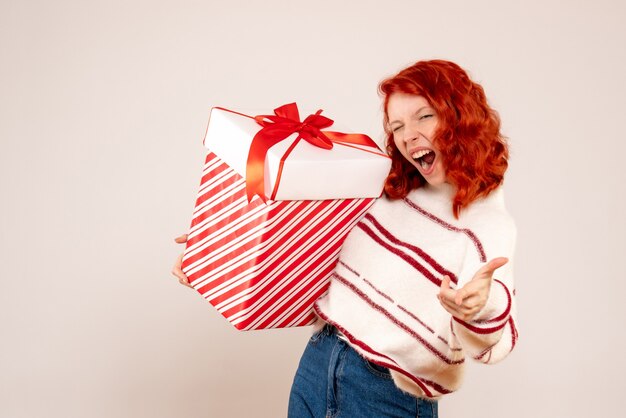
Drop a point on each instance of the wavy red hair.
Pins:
(475, 154)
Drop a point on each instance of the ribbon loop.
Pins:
(277, 127)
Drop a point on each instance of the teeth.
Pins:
(423, 164)
(420, 154)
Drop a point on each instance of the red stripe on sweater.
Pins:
(448, 344)
(350, 269)
(503, 314)
(413, 262)
(378, 291)
(514, 334)
(391, 365)
(421, 253)
(406, 311)
(480, 330)
(450, 227)
(402, 308)
(437, 386)
(482, 353)
(396, 321)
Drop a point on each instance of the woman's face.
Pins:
(413, 123)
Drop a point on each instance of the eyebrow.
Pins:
(418, 111)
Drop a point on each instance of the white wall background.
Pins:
(103, 106)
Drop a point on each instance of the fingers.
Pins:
(460, 295)
(451, 307)
(464, 312)
(182, 239)
(472, 302)
(473, 294)
(445, 289)
(452, 295)
(445, 282)
(447, 294)
(461, 303)
(177, 271)
(493, 265)
(465, 302)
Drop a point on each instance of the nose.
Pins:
(411, 134)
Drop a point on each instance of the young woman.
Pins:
(425, 279)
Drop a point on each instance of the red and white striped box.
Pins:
(263, 265)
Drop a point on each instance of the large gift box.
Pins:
(277, 198)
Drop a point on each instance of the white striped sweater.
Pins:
(383, 292)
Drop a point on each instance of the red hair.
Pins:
(475, 154)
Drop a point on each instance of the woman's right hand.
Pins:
(176, 270)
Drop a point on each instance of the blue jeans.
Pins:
(333, 380)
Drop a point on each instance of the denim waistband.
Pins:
(330, 329)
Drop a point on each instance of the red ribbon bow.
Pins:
(276, 128)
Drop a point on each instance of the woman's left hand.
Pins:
(466, 302)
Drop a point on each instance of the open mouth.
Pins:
(424, 158)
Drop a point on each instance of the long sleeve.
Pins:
(492, 334)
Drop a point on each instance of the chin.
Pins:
(435, 181)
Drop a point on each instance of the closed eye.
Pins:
(396, 128)
(426, 116)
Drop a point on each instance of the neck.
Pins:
(444, 189)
